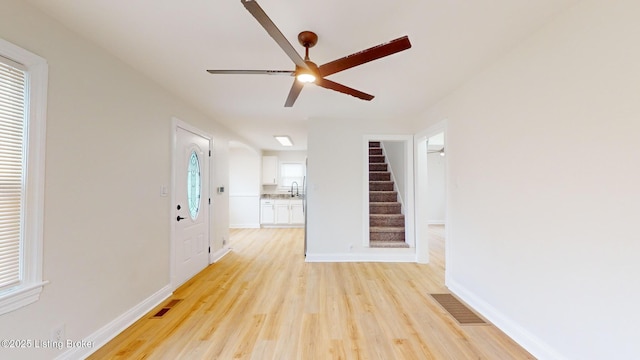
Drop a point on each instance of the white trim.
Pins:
(218, 255)
(245, 226)
(37, 71)
(365, 193)
(281, 226)
(520, 335)
(390, 255)
(421, 181)
(175, 124)
(436, 222)
(20, 297)
(116, 326)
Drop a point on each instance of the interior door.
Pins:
(191, 234)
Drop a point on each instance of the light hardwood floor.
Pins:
(262, 301)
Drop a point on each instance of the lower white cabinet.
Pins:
(281, 212)
(296, 212)
(267, 213)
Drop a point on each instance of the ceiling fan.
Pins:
(307, 71)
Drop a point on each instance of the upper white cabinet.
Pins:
(269, 170)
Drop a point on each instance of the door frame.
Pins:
(421, 200)
(175, 124)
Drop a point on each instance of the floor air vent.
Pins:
(458, 310)
(166, 308)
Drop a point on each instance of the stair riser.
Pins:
(388, 244)
(383, 196)
(387, 186)
(379, 176)
(384, 236)
(392, 208)
(382, 221)
(378, 167)
(376, 159)
(374, 144)
(375, 151)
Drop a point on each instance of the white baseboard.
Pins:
(524, 338)
(244, 226)
(116, 326)
(360, 257)
(436, 222)
(216, 256)
(282, 226)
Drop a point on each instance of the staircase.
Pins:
(386, 221)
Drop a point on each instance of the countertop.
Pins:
(281, 196)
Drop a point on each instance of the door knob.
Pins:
(179, 218)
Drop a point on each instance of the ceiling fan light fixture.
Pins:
(284, 140)
(306, 78)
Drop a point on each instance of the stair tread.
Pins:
(387, 229)
(385, 203)
(387, 215)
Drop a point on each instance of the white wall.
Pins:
(106, 228)
(436, 189)
(337, 174)
(543, 158)
(395, 153)
(244, 186)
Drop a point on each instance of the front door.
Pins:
(191, 207)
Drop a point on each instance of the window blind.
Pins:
(12, 115)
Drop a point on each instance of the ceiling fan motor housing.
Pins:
(308, 39)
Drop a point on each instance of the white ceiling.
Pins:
(174, 42)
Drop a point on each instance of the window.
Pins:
(290, 172)
(193, 185)
(23, 86)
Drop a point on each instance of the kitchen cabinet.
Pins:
(269, 170)
(296, 211)
(267, 213)
(281, 212)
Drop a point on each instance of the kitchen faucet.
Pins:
(291, 191)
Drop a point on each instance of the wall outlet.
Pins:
(57, 334)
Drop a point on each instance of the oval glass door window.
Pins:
(193, 185)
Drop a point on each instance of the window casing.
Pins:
(23, 94)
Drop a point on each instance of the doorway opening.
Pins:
(388, 220)
(431, 196)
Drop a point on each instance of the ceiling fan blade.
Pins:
(253, 72)
(328, 84)
(365, 56)
(257, 12)
(296, 88)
